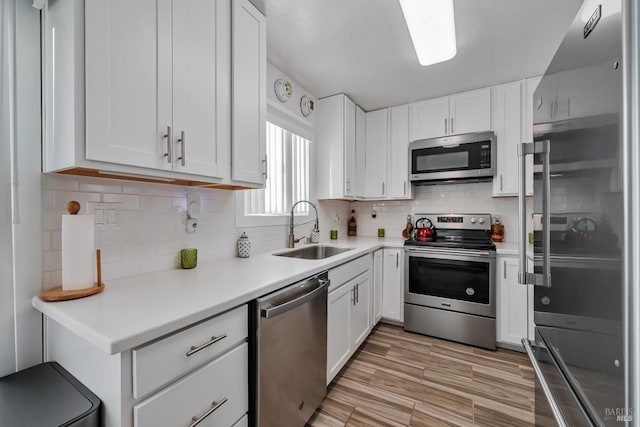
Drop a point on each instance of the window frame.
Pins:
(288, 121)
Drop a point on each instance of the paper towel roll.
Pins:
(77, 252)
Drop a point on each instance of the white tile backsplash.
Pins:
(147, 238)
(442, 198)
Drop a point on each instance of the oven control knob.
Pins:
(470, 291)
(472, 220)
(545, 300)
(481, 220)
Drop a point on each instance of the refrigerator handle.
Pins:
(557, 414)
(525, 277)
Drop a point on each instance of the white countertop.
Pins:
(134, 310)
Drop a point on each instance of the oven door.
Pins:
(457, 280)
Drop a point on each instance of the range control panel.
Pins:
(458, 221)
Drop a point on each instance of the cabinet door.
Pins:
(429, 119)
(507, 121)
(361, 310)
(470, 111)
(360, 177)
(393, 285)
(339, 305)
(512, 303)
(377, 286)
(248, 94)
(530, 85)
(349, 147)
(330, 147)
(398, 167)
(377, 135)
(195, 62)
(128, 81)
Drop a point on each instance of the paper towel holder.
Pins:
(57, 294)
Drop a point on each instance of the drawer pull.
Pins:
(214, 406)
(196, 348)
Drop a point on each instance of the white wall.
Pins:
(20, 214)
(443, 198)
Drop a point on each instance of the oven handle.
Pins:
(525, 277)
(466, 253)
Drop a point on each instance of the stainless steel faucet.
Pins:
(292, 238)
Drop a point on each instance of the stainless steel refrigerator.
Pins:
(582, 265)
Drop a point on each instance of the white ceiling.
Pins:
(362, 47)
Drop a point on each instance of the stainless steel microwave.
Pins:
(469, 157)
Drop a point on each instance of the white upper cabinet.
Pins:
(128, 82)
(398, 186)
(361, 125)
(512, 124)
(249, 105)
(377, 131)
(429, 119)
(507, 123)
(151, 89)
(336, 147)
(450, 115)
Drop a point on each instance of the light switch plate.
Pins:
(107, 215)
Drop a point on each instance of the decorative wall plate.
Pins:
(283, 89)
(306, 105)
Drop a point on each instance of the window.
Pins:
(287, 176)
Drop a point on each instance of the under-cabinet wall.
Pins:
(440, 198)
(146, 238)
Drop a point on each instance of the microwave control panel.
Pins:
(485, 155)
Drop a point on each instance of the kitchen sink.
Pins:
(314, 252)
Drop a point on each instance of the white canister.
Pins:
(244, 246)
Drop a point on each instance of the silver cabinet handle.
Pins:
(524, 277)
(501, 183)
(445, 126)
(383, 188)
(196, 348)
(504, 269)
(397, 260)
(451, 124)
(545, 386)
(357, 293)
(404, 187)
(353, 295)
(265, 173)
(215, 405)
(182, 143)
(169, 149)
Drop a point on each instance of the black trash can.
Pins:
(46, 395)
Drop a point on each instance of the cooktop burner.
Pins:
(457, 231)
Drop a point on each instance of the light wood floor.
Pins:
(402, 379)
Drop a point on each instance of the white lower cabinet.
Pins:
(376, 286)
(349, 311)
(514, 312)
(200, 371)
(217, 394)
(393, 285)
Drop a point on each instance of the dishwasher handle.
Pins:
(316, 286)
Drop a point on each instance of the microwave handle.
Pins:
(525, 277)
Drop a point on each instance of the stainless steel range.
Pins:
(450, 279)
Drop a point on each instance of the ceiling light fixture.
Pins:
(432, 29)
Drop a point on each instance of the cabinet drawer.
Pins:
(345, 272)
(158, 363)
(199, 392)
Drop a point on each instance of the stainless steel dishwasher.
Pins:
(291, 353)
